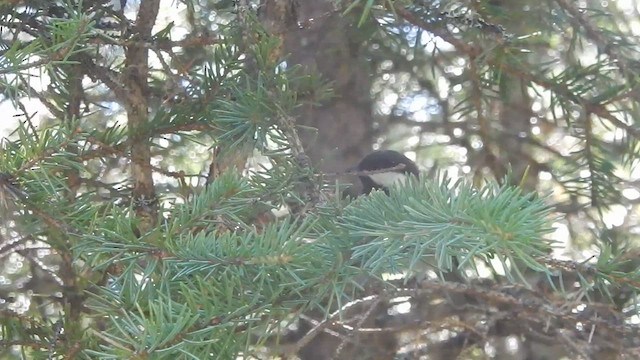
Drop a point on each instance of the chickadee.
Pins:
(398, 166)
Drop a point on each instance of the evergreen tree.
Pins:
(168, 183)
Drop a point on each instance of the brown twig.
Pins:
(364, 317)
(158, 44)
(58, 55)
(46, 154)
(588, 152)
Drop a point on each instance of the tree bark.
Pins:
(323, 44)
(137, 105)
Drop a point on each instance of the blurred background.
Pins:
(541, 94)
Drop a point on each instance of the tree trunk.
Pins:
(324, 43)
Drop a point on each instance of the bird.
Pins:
(372, 174)
(373, 177)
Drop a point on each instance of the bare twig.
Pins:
(365, 317)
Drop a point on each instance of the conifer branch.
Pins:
(578, 18)
(561, 89)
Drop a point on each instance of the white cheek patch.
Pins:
(387, 179)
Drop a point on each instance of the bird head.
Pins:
(381, 169)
